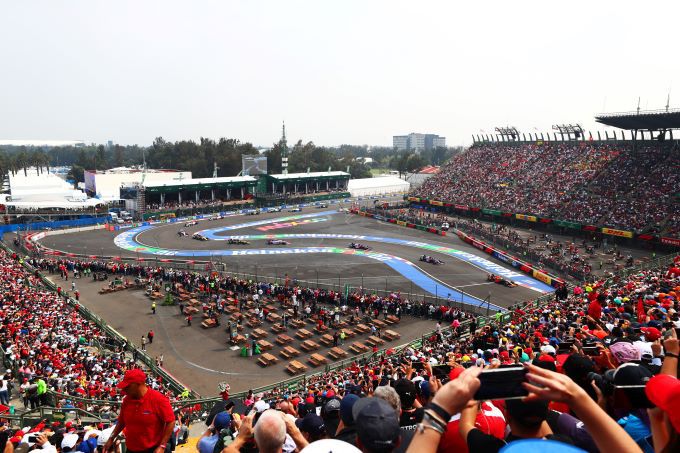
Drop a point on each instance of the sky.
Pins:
(355, 72)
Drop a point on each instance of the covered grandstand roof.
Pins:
(652, 120)
(201, 184)
(313, 175)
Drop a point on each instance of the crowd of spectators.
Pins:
(50, 345)
(598, 367)
(603, 184)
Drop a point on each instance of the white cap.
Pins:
(548, 349)
(70, 440)
(326, 445)
(260, 406)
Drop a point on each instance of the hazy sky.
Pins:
(338, 72)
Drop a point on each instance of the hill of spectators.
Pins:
(594, 183)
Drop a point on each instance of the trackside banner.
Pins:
(619, 233)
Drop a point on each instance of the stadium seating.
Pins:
(603, 184)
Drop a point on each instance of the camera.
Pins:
(604, 382)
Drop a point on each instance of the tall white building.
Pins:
(418, 142)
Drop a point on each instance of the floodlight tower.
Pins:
(508, 133)
(284, 151)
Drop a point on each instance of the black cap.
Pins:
(527, 413)
(377, 424)
(406, 391)
(312, 424)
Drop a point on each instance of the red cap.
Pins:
(455, 372)
(664, 391)
(135, 376)
(504, 355)
(651, 333)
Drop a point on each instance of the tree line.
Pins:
(200, 157)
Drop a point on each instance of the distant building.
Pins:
(106, 184)
(418, 142)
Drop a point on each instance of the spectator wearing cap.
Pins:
(221, 422)
(312, 427)
(377, 426)
(347, 429)
(410, 415)
(330, 413)
(663, 390)
(145, 415)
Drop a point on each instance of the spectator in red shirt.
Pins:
(145, 415)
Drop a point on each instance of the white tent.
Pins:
(381, 185)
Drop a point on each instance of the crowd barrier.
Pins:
(500, 255)
(56, 224)
(613, 232)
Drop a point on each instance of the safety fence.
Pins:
(523, 266)
(56, 224)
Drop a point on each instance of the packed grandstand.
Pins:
(603, 184)
(598, 359)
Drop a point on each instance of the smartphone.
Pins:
(441, 372)
(591, 351)
(418, 365)
(565, 347)
(502, 384)
(32, 438)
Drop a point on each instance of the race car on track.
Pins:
(322, 206)
(181, 233)
(216, 217)
(277, 242)
(191, 223)
(237, 241)
(199, 237)
(295, 209)
(358, 246)
(254, 212)
(430, 259)
(500, 280)
(274, 209)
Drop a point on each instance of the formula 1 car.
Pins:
(358, 246)
(431, 260)
(215, 217)
(322, 206)
(199, 237)
(274, 209)
(500, 280)
(181, 233)
(277, 242)
(237, 241)
(254, 212)
(296, 209)
(191, 223)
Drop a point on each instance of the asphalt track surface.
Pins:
(201, 358)
(329, 269)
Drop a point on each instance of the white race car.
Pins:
(191, 223)
(277, 242)
(295, 209)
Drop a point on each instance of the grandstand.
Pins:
(618, 188)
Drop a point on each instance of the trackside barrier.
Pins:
(498, 254)
(84, 221)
